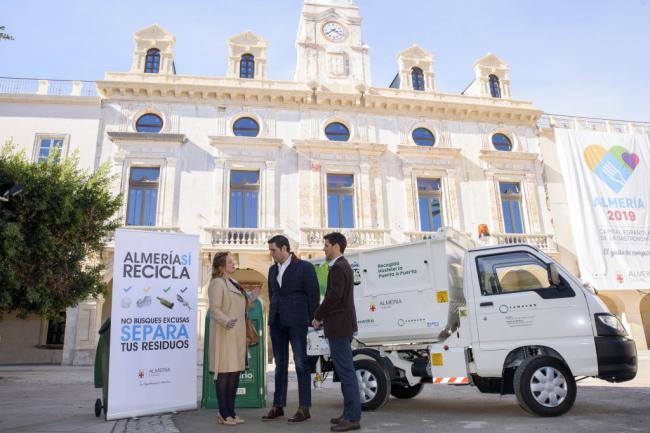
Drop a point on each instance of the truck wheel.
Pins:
(98, 407)
(405, 391)
(374, 384)
(544, 386)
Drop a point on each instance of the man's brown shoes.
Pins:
(346, 425)
(302, 414)
(275, 412)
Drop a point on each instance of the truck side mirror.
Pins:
(553, 275)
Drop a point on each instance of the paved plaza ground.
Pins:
(48, 399)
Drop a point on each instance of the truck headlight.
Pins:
(608, 325)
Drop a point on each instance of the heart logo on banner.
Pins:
(613, 167)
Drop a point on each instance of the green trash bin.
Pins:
(252, 382)
(101, 366)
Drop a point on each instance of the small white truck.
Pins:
(506, 319)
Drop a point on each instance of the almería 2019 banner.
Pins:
(152, 365)
(607, 179)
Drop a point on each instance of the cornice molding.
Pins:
(499, 155)
(51, 99)
(130, 137)
(433, 152)
(175, 88)
(247, 142)
(339, 147)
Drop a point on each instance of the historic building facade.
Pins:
(240, 158)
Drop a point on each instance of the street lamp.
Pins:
(11, 192)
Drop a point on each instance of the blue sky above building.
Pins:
(578, 58)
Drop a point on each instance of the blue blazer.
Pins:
(295, 302)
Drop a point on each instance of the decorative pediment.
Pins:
(248, 38)
(416, 57)
(155, 32)
(247, 43)
(491, 61)
(415, 52)
(156, 37)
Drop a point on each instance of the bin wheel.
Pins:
(98, 407)
(544, 386)
(406, 391)
(374, 384)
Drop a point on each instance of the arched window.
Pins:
(423, 137)
(495, 87)
(418, 79)
(337, 132)
(149, 123)
(152, 62)
(501, 142)
(246, 127)
(247, 66)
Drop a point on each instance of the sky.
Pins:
(573, 57)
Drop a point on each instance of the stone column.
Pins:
(271, 198)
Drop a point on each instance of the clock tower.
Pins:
(330, 49)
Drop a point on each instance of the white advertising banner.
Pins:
(152, 365)
(607, 179)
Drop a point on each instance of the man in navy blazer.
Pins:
(294, 295)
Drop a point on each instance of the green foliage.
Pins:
(51, 234)
(4, 35)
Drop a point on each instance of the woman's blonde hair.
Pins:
(219, 263)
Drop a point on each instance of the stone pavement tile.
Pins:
(147, 424)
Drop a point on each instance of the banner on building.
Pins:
(152, 365)
(607, 179)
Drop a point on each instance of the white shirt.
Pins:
(334, 260)
(281, 268)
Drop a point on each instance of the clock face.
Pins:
(334, 31)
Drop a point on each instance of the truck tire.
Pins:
(399, 390)
(374, 384)
(544, 386)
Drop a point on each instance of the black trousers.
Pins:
(227, 384)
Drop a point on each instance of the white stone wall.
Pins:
(23, 118)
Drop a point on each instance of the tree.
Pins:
(52, 233)
(4, 35)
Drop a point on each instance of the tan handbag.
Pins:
(252, 337)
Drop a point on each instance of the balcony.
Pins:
(312, 238)
(419, 236)
(241, 238)
(110, 239)
(542, 241)
(33, 86)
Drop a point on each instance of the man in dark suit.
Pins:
(294, 295)
(339, 318)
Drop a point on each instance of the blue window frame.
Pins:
(49, 147)
(429, 201)
(340, 200)
(149, 123)
(244, 194)
(152, 61)
(246, 127)
(511, 207)
(423, 137)
(501, 142)
(337, 132)
(143, 196)
(247, 66)
(418, 78)
(495, 87)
